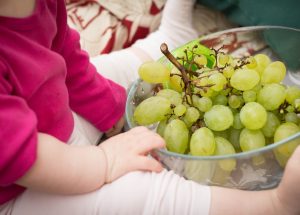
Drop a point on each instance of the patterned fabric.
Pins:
(109, 25)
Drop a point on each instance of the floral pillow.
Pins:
(108, 25)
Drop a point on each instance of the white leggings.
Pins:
(136, 193)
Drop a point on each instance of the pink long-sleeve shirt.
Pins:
(43, 76)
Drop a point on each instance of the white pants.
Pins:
(136, 193)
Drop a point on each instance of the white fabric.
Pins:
(84, 132)
(135, 193)
(176, 29)
(120, 66)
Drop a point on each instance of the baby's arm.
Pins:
(68, 169)
(282, 200)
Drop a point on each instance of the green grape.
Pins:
(161, 127)
(281, 158)
(195, 99)
(271, 96)
(292, 93)
(220, 100)
(202, 81)
(253, 115)
(222, 59)
(271, 125)
(235, 91)
(204, 104)
(251, 63)
(225, 92)
(174, 97)
(237, 123)
(224, 147)
(290, 109)
(257, 88)
(242, 100)
(176, 136)
(176, 81)
(198, 170)
(228, 71)
(244, 79)
(207, 73)
(218, 118)
(292, 117)
(251, 139)
(201, 60)
(297, 104)
(186, 99)
(151, 110)
(224, 134)
(262, 62)
(202, 70)
(233, 110)
(273, 73)
(234, 138)
(179, 110)
(208, 93)
(218, 81)
(283, 152)
(202, 142)
(191, 115)
(154, 72)
(234, 101)
(249, 96)
(283, 131)
(171, 117)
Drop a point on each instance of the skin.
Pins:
(116, 129)
(117, 156)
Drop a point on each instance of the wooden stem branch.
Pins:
(164, 49)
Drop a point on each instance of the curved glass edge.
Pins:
(268, 148)
(130, 96)
(237, 155)
(240, 29)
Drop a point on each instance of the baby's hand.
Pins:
(116, 129)
(129, 151)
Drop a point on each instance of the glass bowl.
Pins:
(255, 170)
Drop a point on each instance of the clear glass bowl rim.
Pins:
(240, 155)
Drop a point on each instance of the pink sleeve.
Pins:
(97, 99)
(18, 134)
(94, 97)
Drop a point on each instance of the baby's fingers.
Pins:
(149, 164)
(150, 142)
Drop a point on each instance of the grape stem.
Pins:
(187, 87)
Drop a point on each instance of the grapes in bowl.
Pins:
(227, 105)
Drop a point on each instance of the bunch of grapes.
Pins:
(216, 104)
